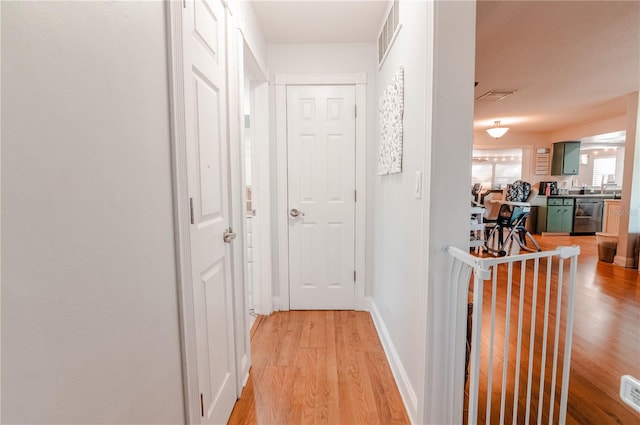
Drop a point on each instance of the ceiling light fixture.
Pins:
(496, 131)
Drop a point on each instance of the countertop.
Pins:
(586, 195)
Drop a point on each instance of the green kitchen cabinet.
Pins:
(542, 218)
(566, 159)
(560, 215)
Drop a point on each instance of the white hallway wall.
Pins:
(408, 280)
(247, 22)
(89, 300)
(397, 216)
(320, 59)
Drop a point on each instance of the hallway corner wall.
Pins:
(90, 329)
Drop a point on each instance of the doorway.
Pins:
(355, 273)
(322, 197)
(257, 184)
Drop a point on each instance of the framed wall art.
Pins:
(391, 112)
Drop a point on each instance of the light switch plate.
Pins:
(418, 185)
(630, 391)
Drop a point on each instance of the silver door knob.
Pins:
(228, 235)
(295, 213)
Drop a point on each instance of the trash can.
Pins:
(607, 246)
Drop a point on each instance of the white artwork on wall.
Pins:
(391, 111)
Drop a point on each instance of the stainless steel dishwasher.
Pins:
(587, 216)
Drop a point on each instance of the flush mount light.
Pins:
(497, 131)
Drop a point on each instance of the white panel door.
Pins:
(207, 147)
(321, 187)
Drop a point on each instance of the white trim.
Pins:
(181, 213)
(400, 375)
(245, 362)
(424, 312)
(359, 80)
(262, 181)
(276, 303)
(361, 188)
(627, 262)
(281, 211)
(235, 119)
(259, 136)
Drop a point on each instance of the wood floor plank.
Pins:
(306, 385)
(367, 332)
(319, 367)
(330, 383)
(290, 339)
(286, 400)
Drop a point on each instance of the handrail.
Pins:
(484, 263)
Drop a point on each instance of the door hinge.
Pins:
(354, 275)
(355, 111)
(201, 405)
(355, 196)
(184, 4)
(191, 211)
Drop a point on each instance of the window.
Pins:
(483, 174)
(505, 174)
(603, 168)
(496, 168)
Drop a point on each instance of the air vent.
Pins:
(389, 31)
(495, 95)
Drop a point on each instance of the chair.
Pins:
(512, 215)
(475, 192)
(492, 208)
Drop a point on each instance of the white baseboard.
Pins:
(627, 262)
(245, 367)
(276, 304)
(407, 392)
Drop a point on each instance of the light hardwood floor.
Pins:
(318, 367)
(328, 367)
(606, 336)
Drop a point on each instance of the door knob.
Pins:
(228, 235)
(295, 213)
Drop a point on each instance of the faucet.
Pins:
(605, 185)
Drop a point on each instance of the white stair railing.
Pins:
(526, 344)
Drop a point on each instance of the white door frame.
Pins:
(359, 80)
(182, 220)
(260, 158)
(235, 124)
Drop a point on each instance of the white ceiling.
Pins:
(301, 21)
(569, 62)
